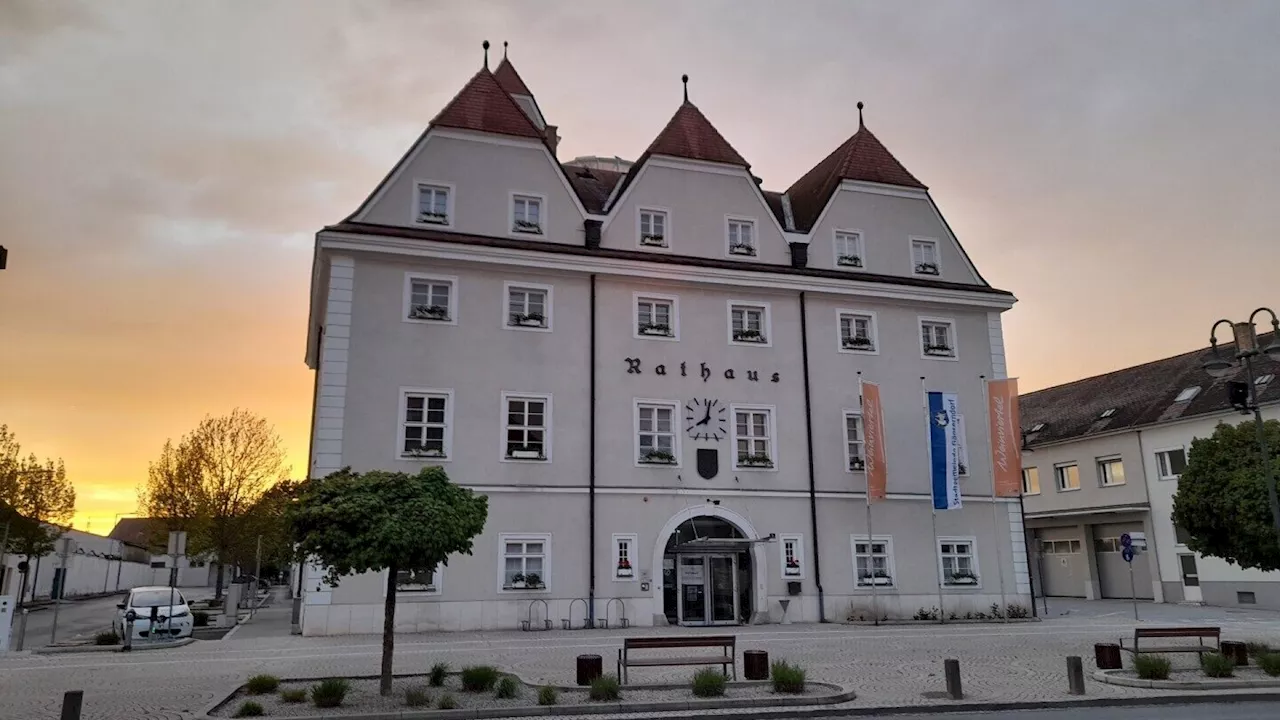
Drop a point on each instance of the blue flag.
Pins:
(944, 450)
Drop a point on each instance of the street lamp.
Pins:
(1245, 339)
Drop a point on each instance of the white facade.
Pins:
(92, 568)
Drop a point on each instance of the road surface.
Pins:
(79, 619)
(1217, 711)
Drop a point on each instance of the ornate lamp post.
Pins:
(1245, 340)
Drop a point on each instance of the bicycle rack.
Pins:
(568, 622)
(623, 622)
(527, 623)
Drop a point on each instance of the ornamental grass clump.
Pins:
(329, 693)
(1217, 665)
(547, 695)
(479, 678)
(1152, 667)
(605, 688)
(708, 682)
(1269, 663)
(262, 684)
(786, 678)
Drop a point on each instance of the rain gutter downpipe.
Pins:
(813, 485)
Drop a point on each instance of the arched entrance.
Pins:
(711, 570)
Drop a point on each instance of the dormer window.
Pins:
(1188, 394)
(653, 228)
(924, 257)
(742, 237)
(434, 204)
(1036, 428)
(848, 249)
(526, 214)
(1264, 379)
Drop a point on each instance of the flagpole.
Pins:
(871, 555)
(933, 508)
(995, 513)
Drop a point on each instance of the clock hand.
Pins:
(706, 418)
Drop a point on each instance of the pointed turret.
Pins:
(689, 134)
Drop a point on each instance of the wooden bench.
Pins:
(726, 658)
(1199, 633)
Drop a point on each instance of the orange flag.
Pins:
(877, 468)
(1006, 437)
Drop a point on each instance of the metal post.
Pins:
(952, 668)
(257, 573)
(72, 702)
(60, 589)
(22, 630)
(129, 618)
(119, 562)
(1133, 591)
(942, 611)
(1075, 675)
(1260, 428)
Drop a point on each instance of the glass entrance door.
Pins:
(724, 589)
(692, 574)
(708, 587)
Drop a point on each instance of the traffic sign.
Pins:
(1127, 553)
(1126, 540)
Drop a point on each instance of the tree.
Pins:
(36, 500)
(207, 484)
(403, 524)
(1222, 500)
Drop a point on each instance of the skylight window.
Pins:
(1107, 413)
(1264, 379)
(1187, 394)
(1037, 427)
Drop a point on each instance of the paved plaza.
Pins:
(887, 666)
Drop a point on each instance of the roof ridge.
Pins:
(482, 87)
(517, 84)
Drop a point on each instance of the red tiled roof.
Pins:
(690, 135)
(509, 79)
(485, 106)
(861, 157)
(592, 185)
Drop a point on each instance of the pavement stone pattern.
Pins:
(887, 666)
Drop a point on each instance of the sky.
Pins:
(165, 165)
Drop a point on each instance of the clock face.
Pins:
(705, 419)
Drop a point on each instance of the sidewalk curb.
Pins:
(137, 647)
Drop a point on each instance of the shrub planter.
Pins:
(1189, 679)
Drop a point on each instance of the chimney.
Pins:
(799, 254)
(592, 228)
(552, 137)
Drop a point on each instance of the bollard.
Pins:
(22, 630)
(952, 668)
(71, 703)
(1075, 675)
(129, 619)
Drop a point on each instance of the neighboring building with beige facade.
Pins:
(1102, 458)
(653, 375)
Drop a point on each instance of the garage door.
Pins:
(1113, 571)
(1063, 566)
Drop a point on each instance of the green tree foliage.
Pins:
(1222, 497)
(36, 499)
(385, 521)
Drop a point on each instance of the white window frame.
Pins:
(1039, 489)
(1102, 475)
(547, 419)
(766, 322)
(872, 331)
(973, 560)
(511, 214)
(415, 213)
(838, 238)
(937, 256)
(673, 300)
(796, 541)
(633, 547)
(889, 564)
(1162, 463)
(548, 305)
(433, 589)
(1057, 479)
(666, 227)
(403, 406)
(862, 440)
(406, 306)
(676, 431)
(503, 539)
(729, 222)
(951, 330)
(772, 438)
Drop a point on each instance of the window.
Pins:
(418, 580)
(873, 561)
(526, 214)
(854, 442)
(430, 299)
(924, 257)
(742, 237)
(528, 306)
(1171, 463)
(653, 228)
(1107, 413)
(749, 324)
(959, 564)
(1030, 481)
(157, 564)
(857, 331)
(937, 338)
(1036, 428)
(792, 549)
(1187, 394)
(753, 433)
(1061, 547)
(525, 563)
(1246, 597)
(1263, 380)
(528, 423)
(656, 436)
(1110, 472)
(433, 204)
(1181, 535)
(657, 317)
(1108, 544)
(1068, 477)
(425, 419)
(848, 249)
(624, 548)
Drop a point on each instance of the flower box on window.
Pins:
(849, 261)
(533, 581)
(624, 568)
(658, 457)
(937, 350)
(792, 568)
(742, 249)
(529, 320)
(429, 312)
(857, 463)
(526, 226)
(748, 335)
(877, 578)
(962, 577)
(657, 329)
(525, 452)
(653, 240)
(927, 268)
(757, 460)
(424, 452)
(434, 218)
(857, 343)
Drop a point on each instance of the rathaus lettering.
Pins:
(635, 367)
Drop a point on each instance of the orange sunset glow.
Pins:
(164, 167)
